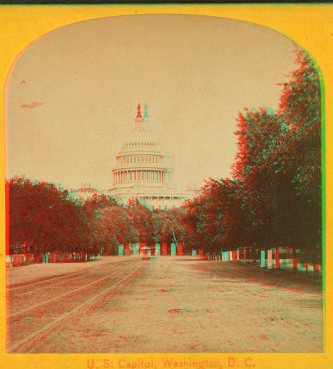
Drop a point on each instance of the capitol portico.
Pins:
(143, 170)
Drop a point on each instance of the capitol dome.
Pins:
(143, 169)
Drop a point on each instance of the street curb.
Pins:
(295, 274)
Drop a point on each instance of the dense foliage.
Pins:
(275, 196)
(46, 219)
(43, 218)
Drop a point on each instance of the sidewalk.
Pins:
(311, 274)
(39, 271)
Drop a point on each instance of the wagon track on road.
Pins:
(71, 292)
(71, 277)
(23, 285)
(28, 338)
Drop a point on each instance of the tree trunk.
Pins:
(295, 261)
(174, 237)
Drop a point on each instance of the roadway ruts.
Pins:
(168, 304)
(36, 309)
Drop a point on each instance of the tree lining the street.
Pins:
(275, 196)
(46, 219)
(43, 217)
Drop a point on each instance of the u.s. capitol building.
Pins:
(143, 171)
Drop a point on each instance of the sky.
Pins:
(73, 94)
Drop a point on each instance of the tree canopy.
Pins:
(274, 197)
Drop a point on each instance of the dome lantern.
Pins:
(145, 115)
(143, 169)
(139, 113)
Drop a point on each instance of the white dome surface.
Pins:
(143, 169)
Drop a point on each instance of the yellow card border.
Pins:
(311, 26)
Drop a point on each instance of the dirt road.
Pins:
(170, 304)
